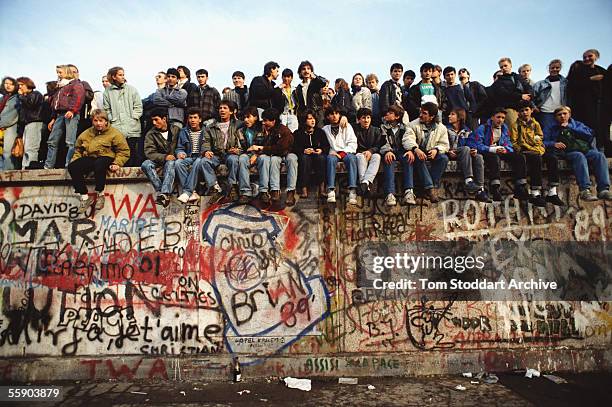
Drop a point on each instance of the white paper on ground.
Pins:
(301, 384)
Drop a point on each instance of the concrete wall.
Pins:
(136, 291)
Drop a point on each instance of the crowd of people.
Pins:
(184, 131)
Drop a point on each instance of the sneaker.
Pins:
(482, 196)
(352, 200)
(431, 195)
(586, 195)
(290, 201)
(100, 201)
(244, 199)
(159, 199)
(496, 194)
(264, 197)
(555, 200)
(409, 198)
(521, 193)
(85, 204)
(331, 196)
(194, 197)
(537, 201)
(183, 198)
(606, 195)
(471, 187)
(390, 200)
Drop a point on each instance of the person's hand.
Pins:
(389, 157)
(252, 159)
(113, 168)
(564, 124)
(410, 156)
(234, 150)
(501, 150)
(367, 155)
(170, 157)
(69, 115)
(50, 125)
(560, 146)
(431, 154)
(419, 153)
(452, 154)
(208, 154)
(526, 96)
(318, 151)
(308, 151)
(596, 77)
(181, 156)
(473, 152)
(343, 122)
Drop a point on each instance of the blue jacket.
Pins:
(184, 145)
(541, 91)
(551, 134)
(460, 139)
(481, 138)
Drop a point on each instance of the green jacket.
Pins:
(156, 148)
(214, 140)
(109, 143)
(124, 108)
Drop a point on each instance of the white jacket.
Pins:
(345, 140)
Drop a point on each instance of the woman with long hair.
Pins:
(343, 100)
(362, 97)
(9, 116)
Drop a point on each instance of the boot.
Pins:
(290, 198)
(275, 195)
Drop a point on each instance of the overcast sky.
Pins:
(339, 37)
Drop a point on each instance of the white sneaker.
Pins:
(194, 197)
(409, 198)
(390, 200)
(254, 189)
(352, 197)
(183, 198)
(331, 196)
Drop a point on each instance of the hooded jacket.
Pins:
(124, 108)
(438, 138)
(523, 136)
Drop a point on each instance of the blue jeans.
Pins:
(431, 172)
(580, 164)
(8, 161)
(263, 168)
(71, 127)
(350, 162)
(209, 165)
(187, 178)
(165, 187)
(291, 161)
(244, 174)
(389, 173)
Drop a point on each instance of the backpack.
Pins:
(573, 143)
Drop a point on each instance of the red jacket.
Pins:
(69, 98)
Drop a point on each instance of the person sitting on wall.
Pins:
(394, 150)
(311, 147)
(369, 141)
(493, 142)
(250, 135)
(98, 149)
(527, 138)
(572, 140)
(189, 158)
(222, 146)
(159, 145)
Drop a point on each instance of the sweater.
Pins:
(345, 140)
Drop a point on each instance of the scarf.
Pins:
(356, 89)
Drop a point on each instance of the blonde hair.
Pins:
(563, 108)
(99, 113)
(524, 66)
(504, 59)
(371, 76)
